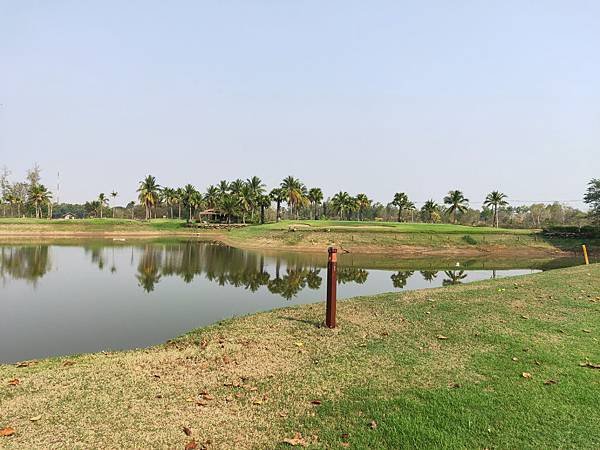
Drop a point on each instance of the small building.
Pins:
(69, 216)
(211, 215)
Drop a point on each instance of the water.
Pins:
(100, 295)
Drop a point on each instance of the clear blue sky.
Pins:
(373, 97)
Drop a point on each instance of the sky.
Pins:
(376, 97)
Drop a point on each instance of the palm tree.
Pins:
(223, 187)
(189, 199)
(263, 202)
(169, 197)
(402, 202)
(456, 202)
(246, 200)
(256, 188)
(179, 194)
(315, 196)
(103, 201)
(39, 195)
(295, 193)
(229, 206)
(428, 209)
(236, 186)
(362, 202)
(495, 199)
(212, 196)
(278, 196)
(148, 194)
(342, 202)
(113, 195)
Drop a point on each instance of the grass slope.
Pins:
(439, 368)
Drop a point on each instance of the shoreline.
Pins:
(397, 251)
(249, 381)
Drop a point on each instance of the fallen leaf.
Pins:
(515, 358)
(454, 385)
(586, 331)
(296, 441)
(187, 431)
(524, 317)
(547, 382)
(239, 395)
(527, 375)
(206, 396)
(441, 337)
(282, 414)
(345, 435)
(8, 431)
(36, 418)
(156, 375)
(373, 424)
(191, 445)
(590, 365)
(14, 382)
(345, 444)
(24, 364)
(201, 403)
(316, 402)
(68, 363)
(299, 344)
(229, 398)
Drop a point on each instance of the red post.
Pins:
(331, 287)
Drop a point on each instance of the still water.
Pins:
(99, 295)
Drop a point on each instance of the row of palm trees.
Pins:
(249, 199)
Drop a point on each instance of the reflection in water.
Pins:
(24, 263)
(400, 278)
(62, 299)
(454, 277)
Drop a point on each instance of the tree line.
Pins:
(249, 201)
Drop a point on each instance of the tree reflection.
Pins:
(28, 263)
(351, 274)
(454, 277)
(400, 278)
(429, 275)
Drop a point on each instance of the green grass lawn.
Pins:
(386, 227)
(91, 225)
(506, 363)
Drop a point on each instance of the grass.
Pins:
(310, 235)
(439, 368)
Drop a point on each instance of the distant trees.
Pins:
(592, 198)
(456, 202)
(295, 192)
(39, 196)
(278, 195)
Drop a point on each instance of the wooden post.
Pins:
(585, 255)
(331, 287)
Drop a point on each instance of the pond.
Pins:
(64, 298)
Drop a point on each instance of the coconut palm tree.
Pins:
(263, 202)
(169, 197)
(212, 196)
(236, 186)
(223, 187)
(229, 206)
(362, 202)
(39, 195)
(428, 209)
(256, 188)
(402, 202)
(103, 201)
(277, 195)
(456, 202)
(113, 195)
(295, 193)
(315, 196)
(246, 201)
(148, 194)
(495, 199)
(190, 199)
